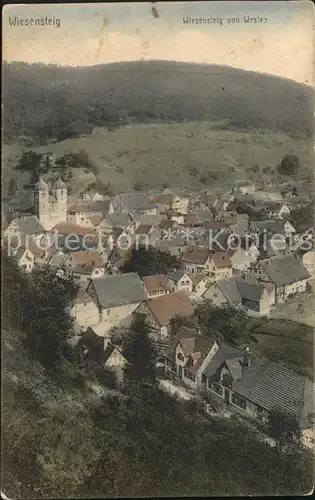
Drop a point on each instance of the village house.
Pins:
(92, 195)
(220, 265)
(161, 310)
(122, 220)
(179, 281)
(196, 260)
(25, 258)
(241, 260)
(179, 202)
(188, 355)
(114, 360)
(265, 230)
(200, 283)
(25, 226)
(80, 211)
(56, 258)
(117, 296)
(308, 260)
(286, 272)
(244, 187)
(86, 264)
(84, 309)
(147, 235)
(166, 226)
(134, 202)
(256, 387)
(253, 297)
(98, 349)
(276, 210)
(175, 244)
(156, 285)
(222, 202)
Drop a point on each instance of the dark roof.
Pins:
(110, 348)
(272, 204)
(165, 307)
(82, 296)
(249, 291)
(136, 201)
(176, 275)
(225, 352)
(192, 342)
(271, 226)
(265, 383)
(119, 220)
(235, 289)
(22, 201)
(196, 255)
(119, 289)
(272, 385)
(284, 269)
(30, 225)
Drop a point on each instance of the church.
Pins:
(48, 204)
(50, 208)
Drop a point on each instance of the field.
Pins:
(180, 154)
(285, 342)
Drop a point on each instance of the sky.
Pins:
(90, 34)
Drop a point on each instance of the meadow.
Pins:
(178, 154)
(284, 341)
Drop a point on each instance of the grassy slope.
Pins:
(160, 153)
(284, 341)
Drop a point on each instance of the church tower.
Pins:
(61, 195)
(41, 202)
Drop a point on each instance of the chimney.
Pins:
(246, 358)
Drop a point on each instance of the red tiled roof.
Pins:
(167, 306)
(67, 228)
(221, 259)
(157, 283)
(86, 257)
(196, 255)
(144, 229)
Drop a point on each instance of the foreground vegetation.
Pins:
(60, 442)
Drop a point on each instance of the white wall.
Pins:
(86, 314)
(115, 314)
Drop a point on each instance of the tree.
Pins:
(303, 216)
(139, 186)
(289, 165)
(47, 323)
(14, 284)
(283, 426)
(140, 353)
(12, 187)
(149, 261)
(177, 321)
(31, 162)
(46, 164)
(229, 322)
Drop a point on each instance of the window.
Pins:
(239, 401)
(189, 375)
(180, 356)
(217, 388)
(107, 312)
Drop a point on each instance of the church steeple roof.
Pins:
(41, 184)
(59, 184)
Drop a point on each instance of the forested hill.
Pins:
(45, 102)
